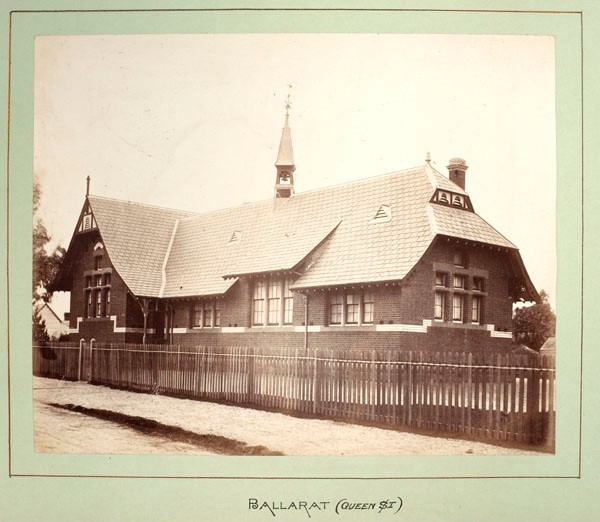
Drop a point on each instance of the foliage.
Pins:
(39, 327)
(532, 325)
(45, 265)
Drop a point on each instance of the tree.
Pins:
(45, 266)
(532, 325)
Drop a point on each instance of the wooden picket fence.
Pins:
(504, 397)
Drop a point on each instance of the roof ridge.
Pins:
(146, 205)
(366, 178)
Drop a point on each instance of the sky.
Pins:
(194, 121)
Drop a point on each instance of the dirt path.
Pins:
(274, 431)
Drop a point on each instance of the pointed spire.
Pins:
(284, 180)
(285, 156)
(87, 187)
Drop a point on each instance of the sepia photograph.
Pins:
(294, 244)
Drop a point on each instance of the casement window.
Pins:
(459, 281)
(97, 280)
(272, 302)
(288, 303)
(107, 302)
(476, 310)
(88, 304)
(368, 307)
(88, 281)
(439, 313)
(441, 279)
(106, 279)
(217, 314)
(258, 303)
(205, 314)
(352, 305)
(97, 262)
(335, 309)
(207, 321)
(459, 259)
(352, 308)
(98, 303)
(197, 315)
(457, 308)
(478, 284)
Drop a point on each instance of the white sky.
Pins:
(194, 121)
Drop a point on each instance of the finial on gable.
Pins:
(87, 187)
(428, 158)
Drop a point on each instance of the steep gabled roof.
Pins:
(136, 238)
(371, 230)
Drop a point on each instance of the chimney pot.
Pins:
(457, 168)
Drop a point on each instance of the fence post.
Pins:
(81, 343)
(250, 391)
(533, 406)
(92, 341)
(316, 390)
(410, 388)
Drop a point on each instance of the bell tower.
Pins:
(284, 179)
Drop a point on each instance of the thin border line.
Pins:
(582, 247)
(8, 247)
(294, 478)
(249, 9)
(310, 9)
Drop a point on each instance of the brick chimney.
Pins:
(457, 168)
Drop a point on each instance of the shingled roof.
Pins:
(365, 231)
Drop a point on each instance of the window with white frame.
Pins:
(217, 314)
(336, 304)
(98, 300)
(459, 281)
(439, 313)
(207, 320)
(288, 303)
(272, 302)
(197, 314)
(107, 302)
(351, 308)
(476, 310)
(368, 308)
(457, 308)
(258, 303)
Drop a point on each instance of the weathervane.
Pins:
(288, 103)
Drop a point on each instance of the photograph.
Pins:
(294, 244)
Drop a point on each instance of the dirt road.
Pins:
(216, 428)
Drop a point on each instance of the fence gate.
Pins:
(85, 360)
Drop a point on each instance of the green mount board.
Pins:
(104, 487)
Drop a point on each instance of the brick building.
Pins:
(398, 261)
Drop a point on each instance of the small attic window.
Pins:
(235, 237)
(383, 214)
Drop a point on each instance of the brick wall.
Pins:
(437, 339)
(122, 304)
(408, 303)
